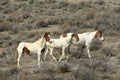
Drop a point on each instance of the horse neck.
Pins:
(92, 35)
(41, 40)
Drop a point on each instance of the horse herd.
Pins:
(46, 43)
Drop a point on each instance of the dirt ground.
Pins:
(28, 20)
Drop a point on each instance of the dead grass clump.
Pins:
(5, 44)
(100, 2)
(49, 1)
(26, 16)
(4, 40)
(21, 27)
(9, 73)
(89, 15)
(7, 11)
(119, 47)
(53, 20)
(41, 24)
(95, 45)
(30, 1)
(116, 10)
(99, 64)
(5, 26)
(5, 37)
(10, 8)
(30, 35)
(85, 4)
(53, 77)
(108, 52)
(10, 56)
(85, 74)
(64, 67)
(19, 0)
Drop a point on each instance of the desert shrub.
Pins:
(106, 21)
(85, 74)
(26, 16)
(99, 64)
(26, 8)
(5, 44)
(21, 27)
(119, 47)
(3, 3)
(30, 35)
(4, 41)
(19, 0)
(42, 24)
(5, 37)
(64, 67)
(63, 4)
(89, 15)
(116, 25)
(108, 52)
(14, 19)
(11, 8)
(100, 2)
(84, 4)
(54, 20)
(54, 77)
(5, 26)
(30, 1)
(49, 21)
(116, 10)
(49, 1)
(9, 73)
(10, 55)
(95, 45)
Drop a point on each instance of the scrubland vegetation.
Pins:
(28, 20)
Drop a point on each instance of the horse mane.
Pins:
(42, 39)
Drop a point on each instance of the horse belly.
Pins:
(33, 49)
(81, 42)
(59, 45)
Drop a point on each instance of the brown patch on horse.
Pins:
(98, 34)
(43, 50)
(26, 50)
(75, 36)
(47, 38)
(64, 35)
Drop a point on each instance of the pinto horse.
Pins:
(38, 47)
(85, 39)
(62, 43)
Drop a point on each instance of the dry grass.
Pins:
(28, 20)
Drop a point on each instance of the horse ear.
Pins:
(47, 32)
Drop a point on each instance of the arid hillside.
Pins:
(28, 20)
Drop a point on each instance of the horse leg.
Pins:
(51, 53)
(63, 53)
(88, 51)
(18, 59)
(68, 49)
(45, 54)
(39, 58)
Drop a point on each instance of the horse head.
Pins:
(99, 35)
(47, 37)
